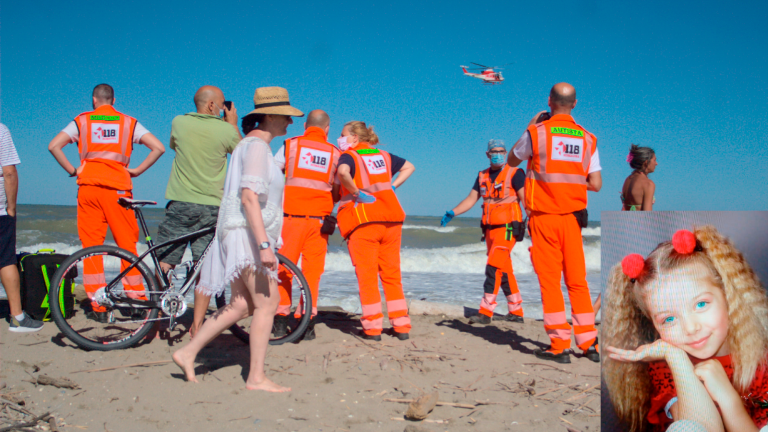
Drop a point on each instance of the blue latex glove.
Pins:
(447, 218)
(394, 188)
(365, 198)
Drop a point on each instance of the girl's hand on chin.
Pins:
(716, 381)
(656, 351)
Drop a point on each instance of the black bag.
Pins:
(518, 230)
(36, 271)
(329, 225)
(582, 217)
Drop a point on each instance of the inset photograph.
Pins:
(685, 321)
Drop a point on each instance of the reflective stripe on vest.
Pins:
(291, 179)
(386, 208)
(502, 208)
(556, 181)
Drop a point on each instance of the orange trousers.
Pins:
(97, 209)
(302, 238)
(499, 274)
(375, 252)
(557, 249)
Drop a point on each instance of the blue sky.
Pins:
(688, 79)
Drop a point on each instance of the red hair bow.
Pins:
(684, 242)
(632, 265)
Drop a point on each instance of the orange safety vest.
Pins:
(310, 168)
(372, 176)
(500, 204)
(105, 144)
(556, 182)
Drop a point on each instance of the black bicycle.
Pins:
(131, 313)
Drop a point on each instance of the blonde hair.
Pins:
(627, 325)
(363, 132)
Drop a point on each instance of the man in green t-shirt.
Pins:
(202, 141)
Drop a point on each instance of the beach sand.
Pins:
(339, 382)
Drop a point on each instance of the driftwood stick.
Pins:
(551, 367)
(549, 391)
(457, 405)
(125, 366)
(583, 391)
(33, 422)
(56, 382)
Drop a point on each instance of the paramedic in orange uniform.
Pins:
(105, 139)
(371, 220)
(502, 188)
(563, 165)
(311, 190)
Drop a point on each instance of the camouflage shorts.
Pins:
(183, 218)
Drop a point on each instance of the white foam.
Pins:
(594, 232)
(431, 228)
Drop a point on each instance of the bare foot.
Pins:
(266, 385)
(187, 365)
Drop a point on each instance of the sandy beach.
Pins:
(339, 382)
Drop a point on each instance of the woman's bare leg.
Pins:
(265, 301)
(237, 309)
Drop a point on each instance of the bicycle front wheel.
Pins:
(116, 326)
(301, 299)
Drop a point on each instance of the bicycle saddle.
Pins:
(134, 204)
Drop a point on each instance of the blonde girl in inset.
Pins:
(687, 333)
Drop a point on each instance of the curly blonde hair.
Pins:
(363, 132)
(627, 324)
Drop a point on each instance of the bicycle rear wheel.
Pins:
(302, 301)
(123, 324)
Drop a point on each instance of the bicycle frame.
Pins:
(163, 280)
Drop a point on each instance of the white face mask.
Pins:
(343, 144)
(221, 113)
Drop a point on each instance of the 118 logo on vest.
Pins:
(314, 160)
(375, 164)
(567, 149)
(105, 133)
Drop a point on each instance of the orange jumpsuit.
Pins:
(105, 143)
(500, 209)
(555, 187)
(373, 232)
(310, 170)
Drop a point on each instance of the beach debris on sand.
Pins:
(421, 407)
(62, 382)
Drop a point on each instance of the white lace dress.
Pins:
(234, 247)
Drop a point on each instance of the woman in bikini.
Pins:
(638, 190)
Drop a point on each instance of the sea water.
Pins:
(439, 264)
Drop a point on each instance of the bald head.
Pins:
(318, 118)
(206, 96)
(562, 95)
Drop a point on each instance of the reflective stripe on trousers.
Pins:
(97, 210)
(499, 274)
(556, 249)
(302, 238)
(375, 252)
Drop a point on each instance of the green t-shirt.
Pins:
(201, 142)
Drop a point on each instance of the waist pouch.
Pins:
(582, 217)
(329, 225)
(515, 230)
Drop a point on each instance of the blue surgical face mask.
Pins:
(498, 159)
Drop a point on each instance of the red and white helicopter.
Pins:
(489, 74)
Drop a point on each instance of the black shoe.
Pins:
(310, 333)
(401, 336)
(592, 352)
(514, 318)
(563, 357)
(480, 319)
(365, 336)
(100, 317)
(280, 326)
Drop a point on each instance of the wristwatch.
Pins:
(264, 245)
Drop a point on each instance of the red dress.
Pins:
(663, 390)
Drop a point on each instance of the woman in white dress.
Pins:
(247, 235)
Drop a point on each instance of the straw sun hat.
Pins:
(273, 100)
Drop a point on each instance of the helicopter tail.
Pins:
(464, 68)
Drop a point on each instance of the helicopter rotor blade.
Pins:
(479, 65)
